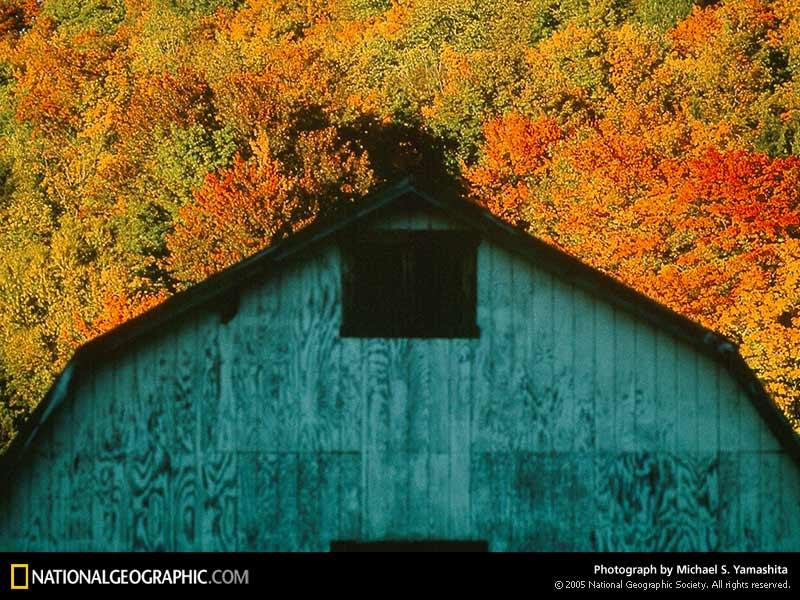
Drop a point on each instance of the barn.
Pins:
(413, 370)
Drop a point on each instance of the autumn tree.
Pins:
(145, 144)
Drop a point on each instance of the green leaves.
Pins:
(101, 15)
(147, 143)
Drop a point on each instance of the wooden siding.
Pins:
(568, 425)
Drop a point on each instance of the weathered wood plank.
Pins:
(379, 488)
(150, 505)
(81, 472)
(352, 394)
(234, 383)
(562, 501)
(351, 492)
(730, 412)
(61, 448)
(604, 398)
(686, 402)
(625, 382)
(522, 413)
(438, 351)
(584, 502)
(417, 218)
(418, 521)
(268, 470)
(271, 350)
(206, 386)
(547, 402)
(532, 529)
(380, 493)
(314, 341)
(645, 421)
(291, 406)
(750, 501)
(243, 366)
(707, 498)
(482, 501)
(708, 411)
(751, 426)
(460, 418)
(329, 307)
(483, 407)
(219, 497)
(185, 456)
(420, 396)
(329, 469)
(773, 514)
(399, 372)
(730, 489)
(584, 373)
(504, 426)
(564, 365)
(790, 488)
(256, 507)
(308, 502)
(657, 501)
(440, 496)
(378, 394)
(148, 465)
(111, 515)
(39, 494)
(666, 381)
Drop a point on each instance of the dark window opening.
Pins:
(411, 546)
(410, 283)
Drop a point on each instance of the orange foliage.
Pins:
(242, 209)
(117, 308)
(517, 151)
(709, 236)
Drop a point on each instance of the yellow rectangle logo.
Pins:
(19, 573)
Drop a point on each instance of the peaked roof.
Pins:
(438, 196)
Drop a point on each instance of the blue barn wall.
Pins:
(570, 424)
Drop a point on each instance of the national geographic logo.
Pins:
(22, 576)
(19, 576)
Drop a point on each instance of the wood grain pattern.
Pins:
(646, 425)
(688, 431)
(218, 499)
(563, 365)
(666, 384)
(185, 456)
(111, 511)
(604, 392)
(625, 381)
(567, 425)
(584, 370)
(81, 472)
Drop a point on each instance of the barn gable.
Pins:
(236, 416)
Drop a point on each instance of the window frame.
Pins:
(461, 246)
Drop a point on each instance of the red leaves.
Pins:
(710, 233)
(116, 309)
(743, 195)
(242, 209)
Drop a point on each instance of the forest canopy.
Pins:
(146, 144)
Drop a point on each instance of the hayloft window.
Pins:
(410, 283)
